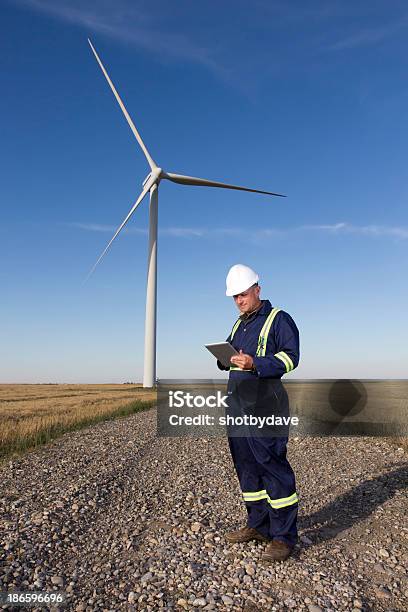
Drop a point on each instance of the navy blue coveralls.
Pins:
(266, 478)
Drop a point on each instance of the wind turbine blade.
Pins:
(121, 226)
(152, 164)
(192, 180)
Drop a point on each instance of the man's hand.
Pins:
(243, 361)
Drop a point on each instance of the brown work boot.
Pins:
(277, 551)
(245, 535)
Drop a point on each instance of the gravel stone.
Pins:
(120, 519)
(382, 593)
(195, 527)
(200, 601)
(145, 578)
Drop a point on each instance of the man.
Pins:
(268, 343)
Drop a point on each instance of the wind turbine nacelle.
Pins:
(154, 176)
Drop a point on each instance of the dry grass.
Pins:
(34, 414)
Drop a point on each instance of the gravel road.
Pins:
(119, 519)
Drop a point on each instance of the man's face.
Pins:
(248, 300)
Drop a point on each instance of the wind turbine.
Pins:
(151, 184)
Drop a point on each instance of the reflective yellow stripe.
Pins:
(263, 339)
(286, 360)
(282, 358)
(283, 501)
(289, 359)
(255, 495)
(234, 329)
(263, 336)
(268, 321)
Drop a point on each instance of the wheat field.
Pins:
(33, 414)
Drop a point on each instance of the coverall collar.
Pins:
(264, 309)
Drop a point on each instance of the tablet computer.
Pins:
(223, 351)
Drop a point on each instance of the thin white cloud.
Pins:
(368, 36)
(182, 232)
(160, 29)
(370, 230)
(128, 22)
(178, 232)
(255, 235)
(375, 230)
(97, 227)
(330, 228)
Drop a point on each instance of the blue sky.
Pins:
(306, 99)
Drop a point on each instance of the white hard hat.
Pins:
(239, 279)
